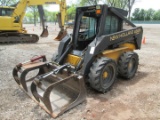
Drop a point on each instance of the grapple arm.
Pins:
(54, 88)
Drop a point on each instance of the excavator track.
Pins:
(15, 37)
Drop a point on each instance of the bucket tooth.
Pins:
(55, 93)
(45, 32)
(61, 35)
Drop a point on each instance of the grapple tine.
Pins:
(54, 94)
(15, 75)
(34, 92)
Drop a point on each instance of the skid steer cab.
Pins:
(101, 47)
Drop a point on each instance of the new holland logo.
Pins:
(125, 34)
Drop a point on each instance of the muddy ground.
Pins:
(137, 99)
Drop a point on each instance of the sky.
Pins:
(145, 4)
(56, 6)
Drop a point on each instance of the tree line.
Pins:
(32, 13)
(138, 14)
(146, 15)
(123, 4)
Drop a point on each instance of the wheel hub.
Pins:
(105, 74)
(131, 65)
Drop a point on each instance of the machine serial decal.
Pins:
(125, 34)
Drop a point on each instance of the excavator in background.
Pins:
(100, 48)
(11, 18)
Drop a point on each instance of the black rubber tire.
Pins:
(128, 65)
(54, 57)
(99, 66)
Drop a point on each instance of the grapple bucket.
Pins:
(56, 92)
(61, 35)
(44, 32)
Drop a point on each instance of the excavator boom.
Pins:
(12, 18)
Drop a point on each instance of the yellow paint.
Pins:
(115, 53)
(73, 60)
(7, 7)
(129, 45)
(8, 22)
(105, 75)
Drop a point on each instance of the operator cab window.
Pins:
(6, 12)
(87, 31)
(111, 24)
(87, 28)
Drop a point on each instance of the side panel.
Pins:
(104, 42)
(7, 23)
(63, 44)
(73, 59)
(116, 53)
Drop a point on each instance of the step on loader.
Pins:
(101, 47)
